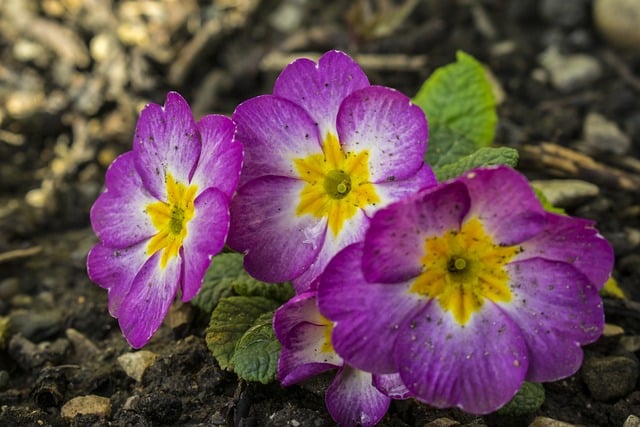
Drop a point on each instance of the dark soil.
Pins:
(73, 77)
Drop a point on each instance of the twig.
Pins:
(19, 253)
(276, 61)
(621, 68)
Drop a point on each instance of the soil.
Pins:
(73, 77)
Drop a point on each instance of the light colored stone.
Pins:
(604, 136)
(610, 377)
(570, 72)
(632, 421)
(86, 405)
(135, 364)
(564, 193)
(549, 422)
(618, 21)
(442, 422)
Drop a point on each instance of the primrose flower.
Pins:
(468, 289)
(354, 397)
(164, 214)
(321, 155)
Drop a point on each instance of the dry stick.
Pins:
(19, 253)
(613, 60)
(276, 61)
(557, 160)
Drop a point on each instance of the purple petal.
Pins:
(119, 216)
(478, 367)
(152, 292)
(221, 157)
(557, 310)
(321, 88)
(274, 132)
(279, 244)
(384, 122)
(505, 203)
(574, 241)
(396, 237)
(364, 332)
(206, 235)
(166, 141)
(115, 269)
(393, 191)
(352, 231)
(391, 385)
(303, 333)
(353, 400)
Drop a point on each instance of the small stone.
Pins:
(604, 136)
(618, 21)
(610, 377)
(630, 343)
(566, 193)
(632, 421)
(442, 422)
(4, 379)
(566, 13)
(610, 330)
(548, 422)
(570, 72)
(86, 405)
(135, 364)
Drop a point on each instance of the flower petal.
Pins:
(393, 191)
(152, 292)
(478, 367)
(352, 399)
(363, 332)
(353, 230)
(221, 157)
(574, 241)
(302, 331)
(391, 385)
(206, 235)
(505, 203)
(557, 310)
(392, 129)
(115, 269)
(320, 88)
(279, 244)
(274, 132)
(166, 141)
(119, 216)
(394, 244)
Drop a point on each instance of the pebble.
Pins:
(602, 135)
(570, 72)
(565, 193)
(442, 422)
(630, 343)
(135, 364)
(37, 326)
(548, 422)
(632, 421)
(86, 405)
(610, 377)
(566, 13)
(4, 379)
(618, 21)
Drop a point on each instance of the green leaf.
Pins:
(546, 204)
(230, 320)
(256, 354)
(460, 108)
(276, 291)
(526, 401)
(223, 271)
(486, 156)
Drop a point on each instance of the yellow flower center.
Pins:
(463, 268)
(327, 346)
(337, 184)
(171, 219)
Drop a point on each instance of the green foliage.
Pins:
(461, 110)
(225, 270)
(257, 351)
(485, 156)
(546, 204)
(526, 401)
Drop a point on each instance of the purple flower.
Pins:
(164, 214)
(322, 154)
(354, 397)
(468, 289)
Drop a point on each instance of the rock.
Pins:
(37, 326)
(548, 422)
(442, 422)
(610, 377)
(632, 421)
(565, 193)
(603, 136)
(618, 21)
(630, 343)
(570, 72)
(4, 379)
(86, 405)
(566, 13)
(135, 364)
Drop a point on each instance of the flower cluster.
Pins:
(450, 293)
